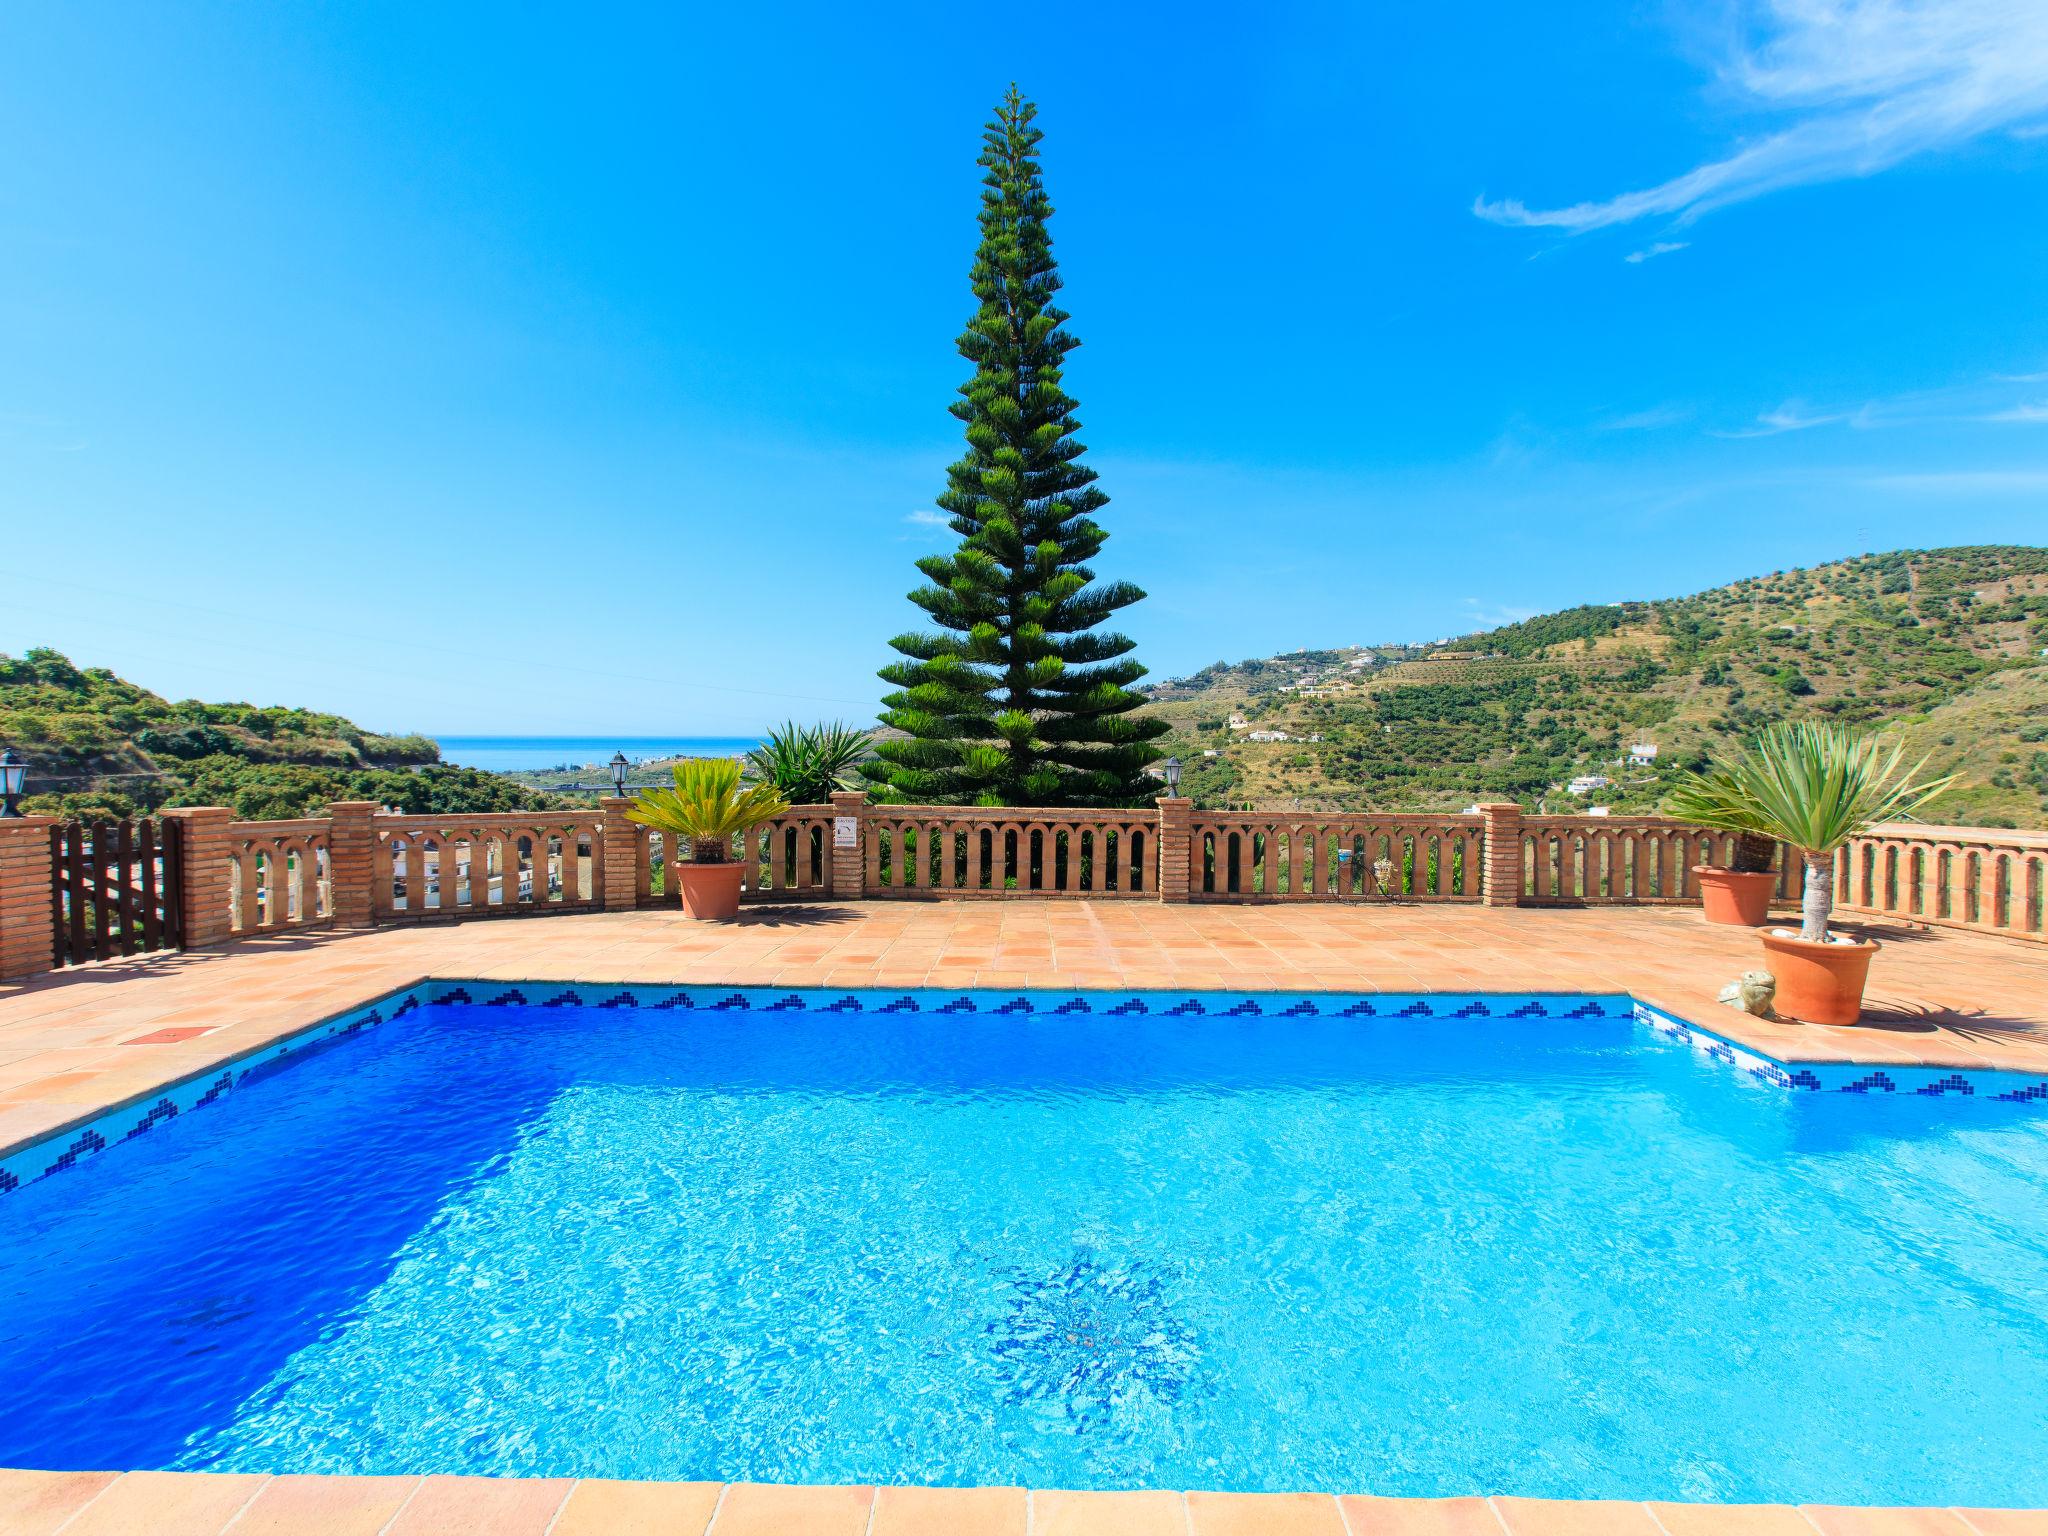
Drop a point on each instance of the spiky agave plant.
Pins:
(807, 762)
(708, 806)
(1713, 799)
(1812, 786)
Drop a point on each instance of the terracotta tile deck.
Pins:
(202, 1504)
(75, 1044)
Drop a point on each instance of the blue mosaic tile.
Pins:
(788, 1003)
(1473, 1010)
(219, 1086)
(1529, 1010)
(406, 1006)
(1185, 1007)
(677, 1000)
(1955, 1082)
(2028, 1094)
(1303, 1010)
(1131, 1005)
(1587, 1011)
(901, 1005)
(1879, 1080)
(1360, 1010)
(568, 997)
(8, 1182)
(162, 1109)
(1016, 1005)
(513, 997)
(956, 1005)
(731, 1002)
(1074, 1005)
(90, 1142)
(847, 1004)
(1417, 1010)
(455, 995)
(1245, 1009)
(620, 1000)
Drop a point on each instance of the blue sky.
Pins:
(502, 368)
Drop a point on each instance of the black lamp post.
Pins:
(1173, 776)
(12, 772)
(619, 774)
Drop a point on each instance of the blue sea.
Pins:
(1040, 1239)
(507, 754)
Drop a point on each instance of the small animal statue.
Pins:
(1752, 992)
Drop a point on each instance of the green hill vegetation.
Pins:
(98, 745)
(1946, 644)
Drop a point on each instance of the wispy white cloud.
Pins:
(1654, 250)
(1646, 421)
(1965, 482)
(1493, 615)
(1794, 416)
(2033, 411)
(1861, 84)
(925, 519)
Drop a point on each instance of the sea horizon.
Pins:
(531, 754)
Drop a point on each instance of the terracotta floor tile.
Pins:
(166, 1504)
(324, 1506)
(1574, 1517)
(1731, 1520)
(1263, 1514)
(949, 1512)
(2005, 1522)
(1838, 1520)
(772, 1509)
(1367, 1516)
(601, 1507)
(1060, 1513)
(36, 1503)
(480, 1506)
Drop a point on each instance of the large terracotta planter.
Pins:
(1819, 983)
(1735, 896)
(710, 890)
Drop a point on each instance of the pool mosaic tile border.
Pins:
(67, 1148)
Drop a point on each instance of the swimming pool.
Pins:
(1403, 1245)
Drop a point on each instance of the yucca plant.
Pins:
(807, 762)
(709, 806)
(1714, 800)
(1813, 787)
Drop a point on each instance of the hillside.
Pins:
(1947, 644)
(98, 745)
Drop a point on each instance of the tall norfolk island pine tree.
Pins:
(1012, 700)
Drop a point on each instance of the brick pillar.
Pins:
(622, 841)
(28, 925)
(352, 862)
(209, 919)
(1176, 837)
(1503, 884)
(849, 864)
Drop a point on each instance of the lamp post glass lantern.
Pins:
(13, 773)
(1173, 776)
(619, 773)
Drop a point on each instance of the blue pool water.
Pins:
(1557, 1256)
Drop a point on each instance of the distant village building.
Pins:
(1642, 755)
(1269, 736)
(1238, 722)
(1586, 783)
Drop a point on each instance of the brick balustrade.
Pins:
(27, 916)
(358, 867)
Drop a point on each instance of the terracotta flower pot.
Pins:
(1819, 983)
(1735, 896)
(710, 890)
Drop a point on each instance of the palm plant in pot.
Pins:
(708, 807)
(1814, 787)
(1739, 891)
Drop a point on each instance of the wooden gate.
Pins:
(115, 890)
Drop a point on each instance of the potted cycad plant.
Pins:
(1813, 788)
(1739, 891)
(709, 807)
